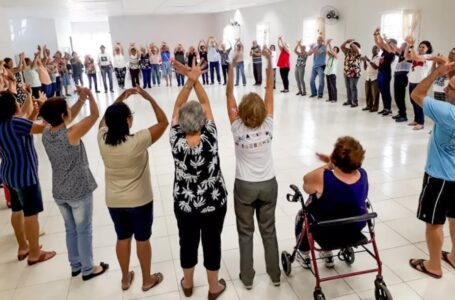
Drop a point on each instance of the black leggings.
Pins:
(206, 227)
(135, 77)
(285, 77)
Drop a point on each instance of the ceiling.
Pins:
(97, 10)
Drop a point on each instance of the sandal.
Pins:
(43, 257)
(21, 257)
(418, 127)
(418, 265)
(130, 280)
(104, 268)
(412, 124)
(445, 257)
(158, 279)
(213, 296)
(188, 292)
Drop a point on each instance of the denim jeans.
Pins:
(384, 80)
(77, 215)
(180, 79)
(300, 78)
(317, 72)
(92, 77)
(240, 69)
(351, 89)
(107, 71)
(156, 74)
(147, 78)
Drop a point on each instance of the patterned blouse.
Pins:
(198, 182)
(352, 64)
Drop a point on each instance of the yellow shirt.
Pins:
(127, 171)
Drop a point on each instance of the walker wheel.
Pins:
(286, 262)
(381, 292)
(318, 295)
(348, 255)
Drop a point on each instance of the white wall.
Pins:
(6, 47)
(284, 19)
(185, 29)
(27, 33)
(63, 32)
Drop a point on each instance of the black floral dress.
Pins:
(198, 183)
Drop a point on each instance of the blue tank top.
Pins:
(341, 200)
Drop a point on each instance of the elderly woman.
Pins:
(72, 181)
(199, 191)
(255, 187)
(339, 189)
(129, 194)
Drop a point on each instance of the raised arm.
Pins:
(381, 43)
(330, 49)
(78, 130)
(76, 107)
(421, 91)
(202, 97)
(280, 43)
(411, 53)
(184, 93)
(268, 101)
(344, 47)
(297, 48)
(157, 130)
(231, 102)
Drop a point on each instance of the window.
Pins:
(392, 26)
(262, 34)
(229, 35)
(309, 32)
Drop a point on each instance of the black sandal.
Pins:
(104, 268)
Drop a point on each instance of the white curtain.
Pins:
(411, 23)
(320, 27)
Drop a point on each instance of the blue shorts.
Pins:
(166, 66)
(47, 90)
(27, 199)
(133, 220)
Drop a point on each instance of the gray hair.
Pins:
(191, 117)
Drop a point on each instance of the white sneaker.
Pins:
(304, 259)
(328, 258)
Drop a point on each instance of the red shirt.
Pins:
(284, 59)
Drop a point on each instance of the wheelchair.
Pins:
(346, 244)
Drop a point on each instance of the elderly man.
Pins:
(436, 200)
(256, 56)
(319, 52)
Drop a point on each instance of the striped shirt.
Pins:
(19, 165)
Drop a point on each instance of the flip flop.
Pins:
(445, 257)
(188, 292)
(158, 279)
(21, 257)
(43, 257)
(417, 264)
(131, 277)
(213, 296)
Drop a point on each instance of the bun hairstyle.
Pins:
(348, 154)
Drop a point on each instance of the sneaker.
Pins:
(304, 259)
(396, 116)
(401, 119)
(247, 286)
(346, 103)
(312, 96)
(328, 258)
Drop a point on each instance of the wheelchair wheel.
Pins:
(286, 262)
(318, 295)
(381, 292)
(348, 255)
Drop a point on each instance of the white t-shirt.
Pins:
(104, 60)
(253, 151)
(212, 54)
(420, 70)
(274, 55)
(31, 77)
(119, 61)
(372, 73)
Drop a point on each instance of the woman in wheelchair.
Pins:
(338, 189)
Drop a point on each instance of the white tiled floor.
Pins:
(395, 159)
